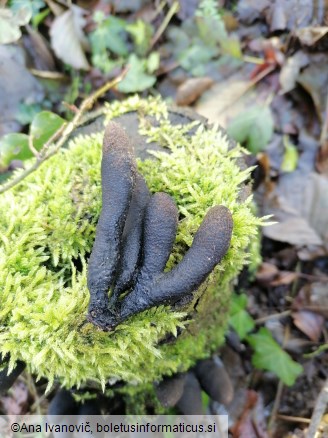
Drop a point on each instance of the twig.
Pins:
(324, 130)
(273, 316)
(275, 405)
(293, 419)
(63, 132)
(279, 389)
(173, 10)
(33, 391)
(31, 146)
(318, 411)
(48, 74)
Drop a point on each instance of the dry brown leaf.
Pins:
(39, 49)
(17, 86)
(322, 158)
(309, 323)
(314, 79)
(309, 36)
(223, 101)
(299, 205)
(15, 403)
(291, 70)
(267, 272)
(67, 38)
(284, 278)
(314, 297)
(192, 89)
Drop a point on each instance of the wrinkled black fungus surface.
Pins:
(215, 380)
(134, 239)
(191, 401)
(210, 244)
(118, 174)
(170, 390)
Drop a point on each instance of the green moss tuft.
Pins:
(47, 229)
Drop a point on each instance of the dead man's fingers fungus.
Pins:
(135, 236)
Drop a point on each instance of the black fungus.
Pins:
(170, 389)
(7, 380)
(210, 244)
(191, 401)
(134, 238)
(215, 380)
(118, 174)
(131, 239)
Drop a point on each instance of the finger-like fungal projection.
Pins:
(210, 244)
(118, 173)
(161, 223)
(134, 238)
(132, 235)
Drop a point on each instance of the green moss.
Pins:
(47, 228)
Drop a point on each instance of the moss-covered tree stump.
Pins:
(47, 230)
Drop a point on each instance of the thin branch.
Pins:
(318, 411)
(293, 419)
(63, 132)
(172, 11)
(31, 146)
(273, 316)
(44, 74)
(280, 388)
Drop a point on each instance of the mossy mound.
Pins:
(47, 228)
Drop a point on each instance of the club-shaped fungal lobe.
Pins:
(210, 244)
(132, 239)
(118, 174)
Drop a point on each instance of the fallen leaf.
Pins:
(10, 23)
(291, 69)
(293, 344)
(284, 278)
(314, 79)
(192, 89)
(253, 128)
(251, 423)
(266, 272)
(16, 403)
(309, 36)
(299, 205)
(18, 86)
(278, 19)
(314, 297)
(251, 10)
(290, 14)
(310, 323)
(187, 8)
(322, 158)
(219, 103)
(123, 6)
(67, 38)
(38, 48)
